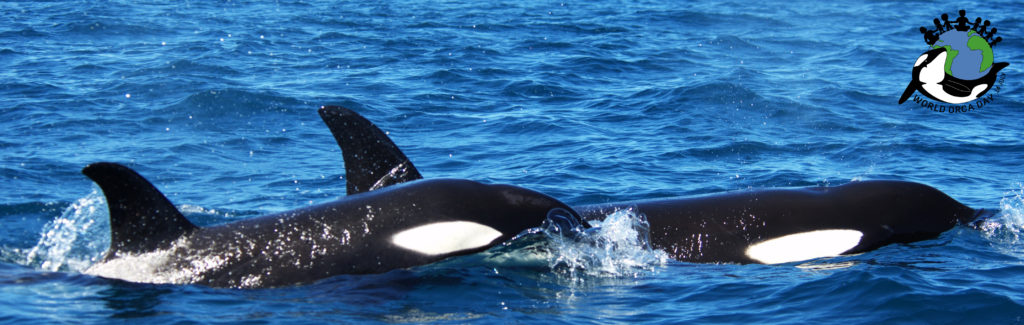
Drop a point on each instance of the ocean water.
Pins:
(588, 101)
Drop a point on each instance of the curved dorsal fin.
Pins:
(141, 218)
(372, 161)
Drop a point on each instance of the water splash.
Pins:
(1008, 226)
(162, 266)
(76, 239)
(618, 246)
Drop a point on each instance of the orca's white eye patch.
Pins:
(921, 59)
(804, 246)
(935, 71)
(445, 237)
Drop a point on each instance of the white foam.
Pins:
(804, 246)
(617, 246)
(445, 237)
(148, 267)
(74, 240)
(1007, 228)
(178, 264)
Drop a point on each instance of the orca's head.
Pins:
(538, 208)
(930, 67)
(471, 217)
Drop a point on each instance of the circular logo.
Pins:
(960, 66)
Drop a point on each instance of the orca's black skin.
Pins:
(953, 86)
(719, 228)
(352, 235)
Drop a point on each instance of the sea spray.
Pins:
(74, 240)
(1006, 227)
(618, 246)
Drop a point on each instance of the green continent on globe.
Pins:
(978, 43)
(950, 55)
(968, 55)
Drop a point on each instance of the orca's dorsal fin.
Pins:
(141, 218)
(372, 160)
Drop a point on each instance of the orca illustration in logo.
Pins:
(931, 80)
(960, 66)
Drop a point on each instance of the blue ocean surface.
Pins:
(587, 101)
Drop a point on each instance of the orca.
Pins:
(772, 226)
(400, 226)
(767, 226)
(931, 80)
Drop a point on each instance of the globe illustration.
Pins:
(969, 56)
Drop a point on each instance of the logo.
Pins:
(959, 69)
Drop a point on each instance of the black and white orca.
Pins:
(760, 226)
(773, 226)
(372, 230)
(931, 80)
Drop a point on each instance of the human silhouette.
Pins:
(983, 28)
(976, 23)
(989, 36)
(929, 36)
(938, 26)
(961, 22)
(997, 40)
(946, 25)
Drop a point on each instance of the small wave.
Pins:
(106, 28)
(89, 67)
(598, 65)
(718, 93)
(546, 45)
(733, 42)
(183, 66)
(334, 36)
(442, 77)
(25, 32)
(30, 89)
(733, 149)
(530, 89)
(233, 103)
